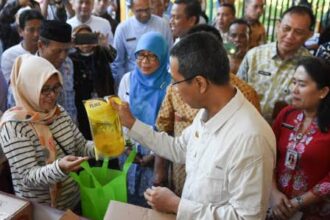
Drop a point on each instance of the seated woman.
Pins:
(92, 72)
(301, 183)
(144, 88)
(38, 137)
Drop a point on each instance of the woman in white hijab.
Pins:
(39, 139)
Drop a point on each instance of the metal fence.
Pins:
(274, 9)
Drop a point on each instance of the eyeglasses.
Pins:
(296, 32)
(57, 89)
(150, 57)
(184, 80)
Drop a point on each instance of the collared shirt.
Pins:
(258, 34)
(97, 24)
(269, 75)
(7, 61)
(229, 161)
(127, 35)
(8, 58)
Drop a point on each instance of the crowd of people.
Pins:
(226, 124)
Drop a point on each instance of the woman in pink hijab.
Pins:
(39, 139)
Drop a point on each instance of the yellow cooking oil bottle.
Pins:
(105, 126)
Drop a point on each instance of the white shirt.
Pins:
(97, 24)
(229, 162)
(8, 58)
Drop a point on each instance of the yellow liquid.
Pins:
(109, 145)
(105, 126)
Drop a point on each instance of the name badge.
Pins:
(291, 159)
(131, 39)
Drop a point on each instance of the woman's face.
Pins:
(49, 93)
(147, 62)
(305, 94)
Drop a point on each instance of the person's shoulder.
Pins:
(263, 47)
(12, 50)
(62, 114)
(125, 78)
(158, 20)
(99, 20)
(125, 25)
(72, 20)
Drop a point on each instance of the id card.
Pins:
(291, 159)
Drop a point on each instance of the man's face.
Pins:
(292, 32)
(239, 35)
(224, 17)
(83, 9)
(186, 89)
(100, 6)
(254, 9)
(31, 32)
(141, 10)
(157, 7)
(179, 22)
(55, 52)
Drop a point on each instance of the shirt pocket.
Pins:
(130, 48)
(213, 183)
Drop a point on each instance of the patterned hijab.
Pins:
(147, 91)
(28, 76)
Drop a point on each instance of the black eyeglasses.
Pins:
(149, 57)
(184, 80)
(57, 89)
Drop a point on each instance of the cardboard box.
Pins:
(122, 211)
(14, 208)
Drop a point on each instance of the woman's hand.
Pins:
(282, 206)
(71, 163)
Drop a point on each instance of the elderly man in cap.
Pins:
(54, 45)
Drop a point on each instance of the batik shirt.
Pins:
(269, 75)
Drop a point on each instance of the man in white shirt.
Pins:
(229, 150)
(83, 9)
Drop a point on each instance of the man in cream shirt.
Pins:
(229, 150)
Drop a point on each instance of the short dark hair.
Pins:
(319, 71)
(242, 22)
(28, 15)
(230, 6)
(44, 41)
(301, 10)
(206, 28)
(193, 8)
(202, 54)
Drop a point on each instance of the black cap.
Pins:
(56, 31)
